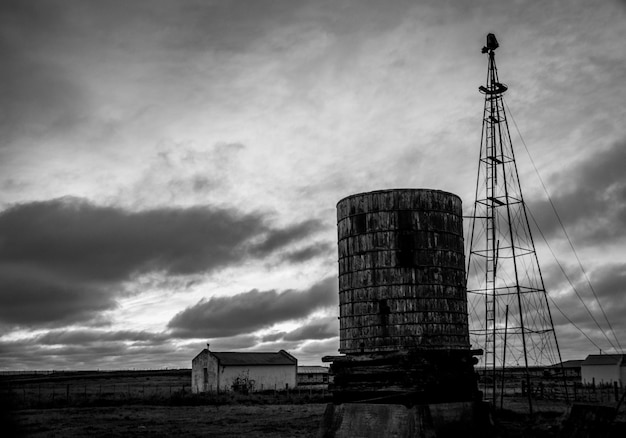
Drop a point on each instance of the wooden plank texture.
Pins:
(401, 271)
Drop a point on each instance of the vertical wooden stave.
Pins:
(385, 305)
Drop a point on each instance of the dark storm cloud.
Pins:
(608, 284)
(109, 354)
(280, 238)
(310, 252)
(82, 337)
(607, 281)
(73, 237)
(37, 99)
(100, 349)
(591, 201)
(37, 92)
(32, 295)
(591, 197)
(249, 311)
(317, 329)
(45, 46)
(288, 346)
(53, 50)
(315, 349)
(64, 259)
(233, 343)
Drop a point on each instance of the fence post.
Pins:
(602, 392)
(575, 394)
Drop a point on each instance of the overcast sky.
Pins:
(169, 170)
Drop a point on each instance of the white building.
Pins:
(213, 371)
(604, 369)
(313, 377)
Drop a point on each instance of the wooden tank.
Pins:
(401, 272)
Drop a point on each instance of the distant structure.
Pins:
(245, 372)
(313, 377)
(571, 369)
(601, 369)
(402, 302)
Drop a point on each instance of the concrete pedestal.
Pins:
(356, 420)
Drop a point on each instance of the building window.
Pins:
(359, 224)
(405, 240)
(383, 307)
(405, 254)
(405, 220)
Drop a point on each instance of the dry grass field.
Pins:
(236, 420)
(269, 421)
(159, 404)
(232, 420)
(80, 387)
(149, 403)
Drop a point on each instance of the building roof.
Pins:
(313, 369)
(569, 364)
(605, 359)
(203, 352)
(254, 358)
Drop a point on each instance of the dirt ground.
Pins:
(268, 421)
(159, 404)
(237, 420)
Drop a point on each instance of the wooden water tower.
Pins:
(402, 300)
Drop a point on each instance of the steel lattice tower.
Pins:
(510, 317)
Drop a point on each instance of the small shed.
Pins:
(213, 371)
(570, 368)
(313, 377)
(601, 369)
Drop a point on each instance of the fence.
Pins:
(173, 386)
(46, 395)
(571, 391)
(91, 371)
(71, 393)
